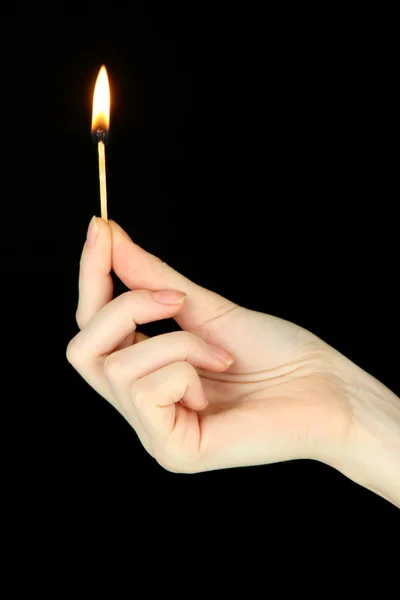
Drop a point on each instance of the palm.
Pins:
(270, 405)
(276, 388)
(271, 401)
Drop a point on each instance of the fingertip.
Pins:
(95, 283)
(98, 231)
(169, 297)
(102, 224)
(96, 253)
(117, 230)
(195, 400)
(92, 233)
(221, 355)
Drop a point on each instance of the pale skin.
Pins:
(234, 387)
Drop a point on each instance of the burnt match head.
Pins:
(100, 135)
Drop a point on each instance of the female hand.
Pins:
(284, 396)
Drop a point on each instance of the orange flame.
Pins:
(101, 103)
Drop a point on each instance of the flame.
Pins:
(101, 103)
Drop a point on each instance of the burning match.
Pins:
(100, 128)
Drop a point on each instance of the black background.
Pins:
(255, 163)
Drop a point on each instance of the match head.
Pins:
(100, 135)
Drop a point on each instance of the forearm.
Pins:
(371, 455)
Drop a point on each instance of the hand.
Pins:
(282, 398)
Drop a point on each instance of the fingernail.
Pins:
(92, 232)
(221, 355)
(169, 297)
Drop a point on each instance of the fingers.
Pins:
(113, 323)
(146, 379)
(126, 366)
(155, 400)
(95, 283)
(139, 269)
(91, 351)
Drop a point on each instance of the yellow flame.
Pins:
(101, 102)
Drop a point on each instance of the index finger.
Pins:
(95, 281)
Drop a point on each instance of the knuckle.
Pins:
(127, 297)
(123, 301)
(189, 340)
(73, 352)
(127, 301)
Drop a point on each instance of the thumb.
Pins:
(139, 269)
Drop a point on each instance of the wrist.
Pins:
(369, 454)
